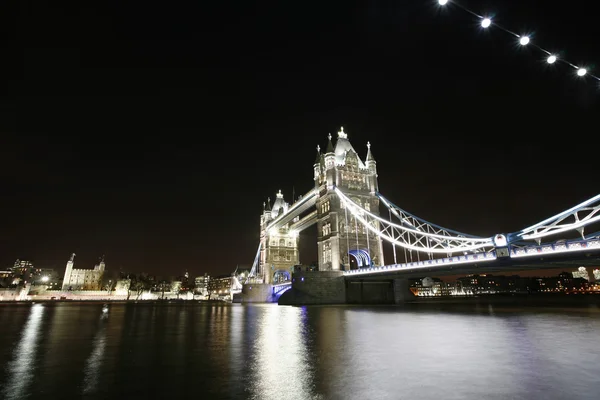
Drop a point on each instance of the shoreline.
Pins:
(514, 300)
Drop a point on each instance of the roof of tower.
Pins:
(343, 146)
(278, 204)
(369, 154)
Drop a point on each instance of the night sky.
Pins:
(152, 132)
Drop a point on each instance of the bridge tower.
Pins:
(279, 247)
(340, 238)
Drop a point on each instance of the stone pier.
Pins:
(402, 292)
(315, 287)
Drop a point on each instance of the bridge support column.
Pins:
(591, 277)
(402, 292)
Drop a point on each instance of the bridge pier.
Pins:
(591, 277)
(256, 293)
(402, 292)
(315, 287)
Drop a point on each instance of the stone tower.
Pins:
(279, 246)
(68, 272)
(343, 242)
(101, 265)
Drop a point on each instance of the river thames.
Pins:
(234, 351)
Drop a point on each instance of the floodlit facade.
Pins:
(83, 279)
(341, 239)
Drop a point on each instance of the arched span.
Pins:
(362, 257)
(281, 276)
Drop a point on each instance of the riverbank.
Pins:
(94, 301)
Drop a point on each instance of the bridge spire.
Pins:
(318, 159)
(268, 204)
(329, 144)
(369, 154)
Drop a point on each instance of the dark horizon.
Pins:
(153, 134)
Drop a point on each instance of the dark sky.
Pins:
(152, 132)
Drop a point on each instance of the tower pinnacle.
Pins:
(369, 154)
(318, 155)
(342, 134)
(329, 144)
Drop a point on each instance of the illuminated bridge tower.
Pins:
(343, 242)
(279, 246)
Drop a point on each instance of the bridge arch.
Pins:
(361, 257)
(282, 276)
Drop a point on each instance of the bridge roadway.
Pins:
(567, 254)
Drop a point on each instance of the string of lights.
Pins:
(487, 22)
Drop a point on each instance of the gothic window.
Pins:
(327, 252)
(288, 257)
(326, 229)
(290, 243)
(325, 207)
(281, 242)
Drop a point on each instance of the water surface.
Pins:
(233, 351)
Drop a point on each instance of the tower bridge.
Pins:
(345, 205)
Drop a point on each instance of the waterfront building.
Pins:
(83, 279)
(201, 285)
(219, 287)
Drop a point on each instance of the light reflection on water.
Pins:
(274, 352)
(20, 369)
(94, 362)
(279, 368)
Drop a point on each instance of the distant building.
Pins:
(582, 272)
(122, 287)
(219, 287)
(22, 272)
(201, 285)
(83, 279)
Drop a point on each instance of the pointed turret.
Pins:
(318, 159)
(329, 145)
(369, 154)
(372, 167)
(268, 204)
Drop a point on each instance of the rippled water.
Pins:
(73, 351)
